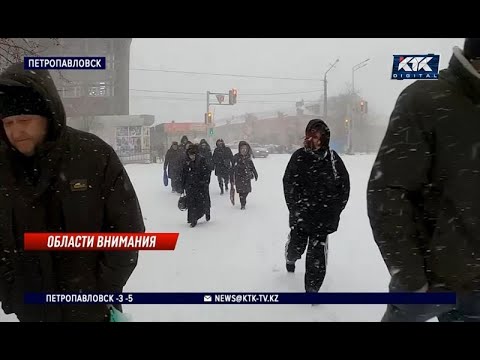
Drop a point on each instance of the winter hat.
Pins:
(192, 149)
(471, 48)
(22, 101)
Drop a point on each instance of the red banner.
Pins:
(99, 241)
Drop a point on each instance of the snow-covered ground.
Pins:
(244, 251)
(241, 251)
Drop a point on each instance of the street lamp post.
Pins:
(352, 120)
(355, 68)
(325, 90)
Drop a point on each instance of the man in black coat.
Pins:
(222, 161)
(195, 182)
(316, 187)
(173, 165)
(424, 191)
(57, 179)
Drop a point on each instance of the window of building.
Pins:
(110, 59)
(70, 91)
(101, 89)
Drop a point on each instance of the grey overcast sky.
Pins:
(293, 58)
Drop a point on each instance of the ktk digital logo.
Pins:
(415, 67)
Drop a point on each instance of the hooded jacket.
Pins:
(206, 152)
(243, 170)
(222, 159)
(316, 184)
(423, 193)
(75, 182)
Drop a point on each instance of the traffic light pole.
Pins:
(208, 110)
(232, 99)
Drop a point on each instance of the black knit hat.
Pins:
(471, 48)
(21, 101)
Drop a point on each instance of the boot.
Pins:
(207, 215)
(243, 202)
(290, 266)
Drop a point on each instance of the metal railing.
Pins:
(134, 157)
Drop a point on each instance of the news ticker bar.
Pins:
(64, 63)
(439, 298)
(99, 241)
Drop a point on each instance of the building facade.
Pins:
(94, 92)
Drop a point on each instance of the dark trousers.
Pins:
(317, 252)
(467, 309)
(243, 198)
(176, 181)
(223, 181)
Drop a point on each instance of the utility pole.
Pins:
(353, 106)
(208, 110)
(325, 95)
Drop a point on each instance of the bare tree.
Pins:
(13, 50)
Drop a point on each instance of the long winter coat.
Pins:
(222, 160)
(174, 160)
(195, 180)
(243, 173)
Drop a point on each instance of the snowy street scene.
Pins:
(339, 178)
(243, 251)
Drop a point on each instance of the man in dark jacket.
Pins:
(173, 165)
(316, 187)
(424, 191)
(222, 161)
(57, 179)
(195, 182)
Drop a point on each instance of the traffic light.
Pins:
(232, 97)
(208, 118)
(363, 106)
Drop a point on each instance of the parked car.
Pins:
(259, 151)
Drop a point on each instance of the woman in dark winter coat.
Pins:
(206, 152)
(195, 180)
(243, 172)
(174, 160)
(222, 161)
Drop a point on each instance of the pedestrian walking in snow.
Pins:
(316, 187)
